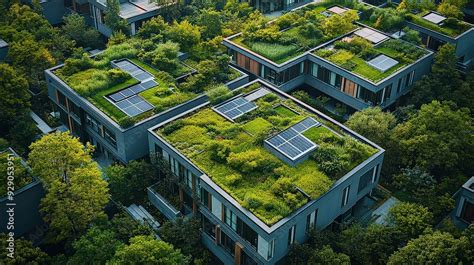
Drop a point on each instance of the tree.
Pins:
(96, 246)
(211, 23)
(416, 5)
(432, 248)
(373, 123)
(184, 235)
(184, 33)
(112, 17)
(23, 133)
(75, 27)
(153, 27)
(340, 24)
(30, 58)
(25, 252)
(165, 56)
(14, 99)
(125, 227)
(327, 256)
(128, 183)
(148, 250)
(437, 138)
(75, 191)
(416, 181)
(410, 219)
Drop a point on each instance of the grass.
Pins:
(315, 133)
(257, 126)
(444, 29)
(285, 111)
(234, 158)
(181, 70)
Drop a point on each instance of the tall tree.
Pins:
(148, 250)
(432, 248)
(75, 191)
(75, 27)
(14, 97)
(25, 253)
(438, 138)
(183, 234)
(112, 17)
(410, 219)
(373, 123)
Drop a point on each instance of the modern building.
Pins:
(268, 6)
(464, 211)
(436, 30)
(375, 76)
(115, 117)
(135, 12)
(250, 169)
(26, 197)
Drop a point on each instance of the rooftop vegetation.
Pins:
(94, 78)
(233, 156)
(294, 33)
(22, 176)
(451, 26)
(352, 54)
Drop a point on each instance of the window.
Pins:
(74, 109)
(158, 151)
(110, 137)
(387, 92)
(468, 212)
(291, 235)
(208, 227)
(311, 220)
(314, 69)
(227, 243)
(230, 219)
(61, 99)
(369, 96)
(399, 85)
(376, 173)
(323, 74)
(205, 198)
(409, 79)
(345, 196)
(92, 123)
(365, 180)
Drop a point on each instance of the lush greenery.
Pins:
(295, 32)
(232, 154)
(21, 175)
(68, 172)
(353, 54)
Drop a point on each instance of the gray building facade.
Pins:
(243, 238)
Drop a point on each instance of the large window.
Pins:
(345, 196)
(292, 235)
(365, 180)
(282, 77)
(110, 137)
(467, 213)
(205, 198)
(311, 220)
(92, 123)
(230, 218)
(61, 99)
(387, 92)
(208, 227)
(369, 96)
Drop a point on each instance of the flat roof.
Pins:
(434, 18)
(232, 154)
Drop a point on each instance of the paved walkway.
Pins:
(44, 128)
(380, 214)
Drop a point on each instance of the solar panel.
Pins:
(149, 84)
(134, 106)
(143, 76)
(434, 18)
(117, 96)
(382, 63)
(235, 108)
(370, 35)
(291, 142)
(137, 88)
(127, 92)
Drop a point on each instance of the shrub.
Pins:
(117, 76)
(219, 151)
(164, 57)
(330, 159)
(253, 161)
(218, 94)
(309, 30)
(252, 201)
(126, 122)
(170, 128)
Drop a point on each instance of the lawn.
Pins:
(257, 126)
(315, 133)
(285, 111)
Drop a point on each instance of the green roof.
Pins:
(233, 155)
(451, 26)
(299, 31)
(353, 54)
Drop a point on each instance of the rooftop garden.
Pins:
(22, 176)
(233, 156)
(296, 32)
(352, 53)
(393, 17)
(95, 78)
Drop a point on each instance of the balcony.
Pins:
(167, 207)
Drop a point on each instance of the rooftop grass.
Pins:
(22, 176)
(233, 156)
(451, 27)
(294, 33)
(353, 54)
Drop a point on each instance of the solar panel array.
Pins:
(236, 108)
(370, 35)
(133, 90)
(135, 71)
(434, 18)
(291, 142)
(382, 63)
(134, 105)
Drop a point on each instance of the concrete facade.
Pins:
(271, 243)
(464, 211)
